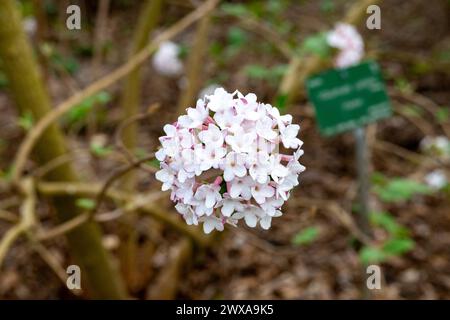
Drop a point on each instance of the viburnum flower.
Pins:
(349, 42)
(208, 90)
(166, 60)
(436, 179)
(222, 161)
(30, 26)
(436, 146)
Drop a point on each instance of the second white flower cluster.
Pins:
(222, 163)
(349, 42)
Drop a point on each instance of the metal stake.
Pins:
(362, 163)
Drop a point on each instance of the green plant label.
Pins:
(345, 99)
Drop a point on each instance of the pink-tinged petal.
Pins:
(208, 226)
(219, 226)
(250, 220)
(228, 174)
(227, 209)
(170, 130)
(235, 190)
(240, 171)
(266, 222)
(268, 191)
(161, 175)
(210, 200)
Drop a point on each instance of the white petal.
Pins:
(210, 200)
(228, 174)
(265, 222)
(250, 220)
(235, 190)
(208, 226)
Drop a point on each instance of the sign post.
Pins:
(362, 164)
(348, 99)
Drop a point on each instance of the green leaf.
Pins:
(281, 102)
(443, 114)
(275, 6)
(413, 111)
(327, 6)
(305, 236)
(371, 254)
(79, 112)
(256, 71)
(103, 97)
(26, 120)
(397, 247)
(234, 9)
(69, 64)
(154, 163)
(183, 51)
(141, 153)
(237, 37)
(404, 85)
(100, 150)
(317, 44)
(85, 203)
(378, 178)
(387, 222)
(3, 80)
(216, 49)
(263, 73)
(6, 174)
(223, 188)
(399, 189)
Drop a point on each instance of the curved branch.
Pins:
(35, 133)
(129, 201)
(26, 220)
(113, 178)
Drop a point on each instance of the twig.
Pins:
(50, 260)
(149, 17)
(422, 125)
(195, 64)
(166, 284)
(130, 202)
(26, 220)
(267, 34)
(82, 218)
(8, 216)
(35, 133)
(99, 36)
(342, 215)
(108, 183)
(411, 156)
(64, 227)
(118, 136)
(420, 100)
(9, 202)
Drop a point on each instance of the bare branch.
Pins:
(26, 221)
(34, 134)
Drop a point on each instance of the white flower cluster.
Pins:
(436, 179)
(30, 26)
(222, 164)
(346, 38)
(166, 60)
(436, 146)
